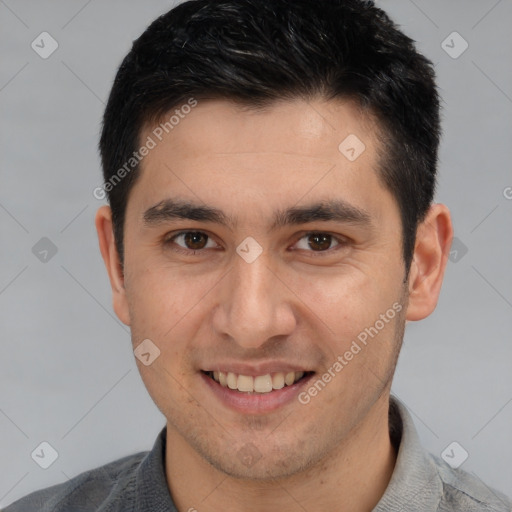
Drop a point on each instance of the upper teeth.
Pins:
(260, 384)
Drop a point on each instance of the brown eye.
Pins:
(319, 241)
(195, 240)
(191, 241)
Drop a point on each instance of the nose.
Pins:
(255, 305)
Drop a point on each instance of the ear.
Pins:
(431, 251)
(112, 261)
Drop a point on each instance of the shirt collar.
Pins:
(152, 492)
(415, 483)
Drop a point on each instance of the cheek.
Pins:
(348, 323)
(163, 303)
(348, 302)
(161, 307)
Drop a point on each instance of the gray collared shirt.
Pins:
(137, 483)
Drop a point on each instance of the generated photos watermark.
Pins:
(151, 142)
(355, 348)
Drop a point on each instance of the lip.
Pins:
(256, 403)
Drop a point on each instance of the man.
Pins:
(270, 168)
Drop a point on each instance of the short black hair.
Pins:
(255, 52)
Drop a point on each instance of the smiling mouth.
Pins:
(259, 384)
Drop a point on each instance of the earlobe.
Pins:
(104, 228)
(432, 247)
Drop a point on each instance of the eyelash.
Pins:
(341, 241)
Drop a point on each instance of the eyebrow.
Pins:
(328, 210)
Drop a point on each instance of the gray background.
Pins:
(67, 373)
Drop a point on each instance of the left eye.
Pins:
(318, 242)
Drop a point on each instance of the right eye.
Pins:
(190, 242)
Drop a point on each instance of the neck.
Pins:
(351, 478)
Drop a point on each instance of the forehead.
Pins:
(307, 128)
(221, 151)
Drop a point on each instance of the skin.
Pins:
(213, 308)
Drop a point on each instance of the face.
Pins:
(257, 252)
